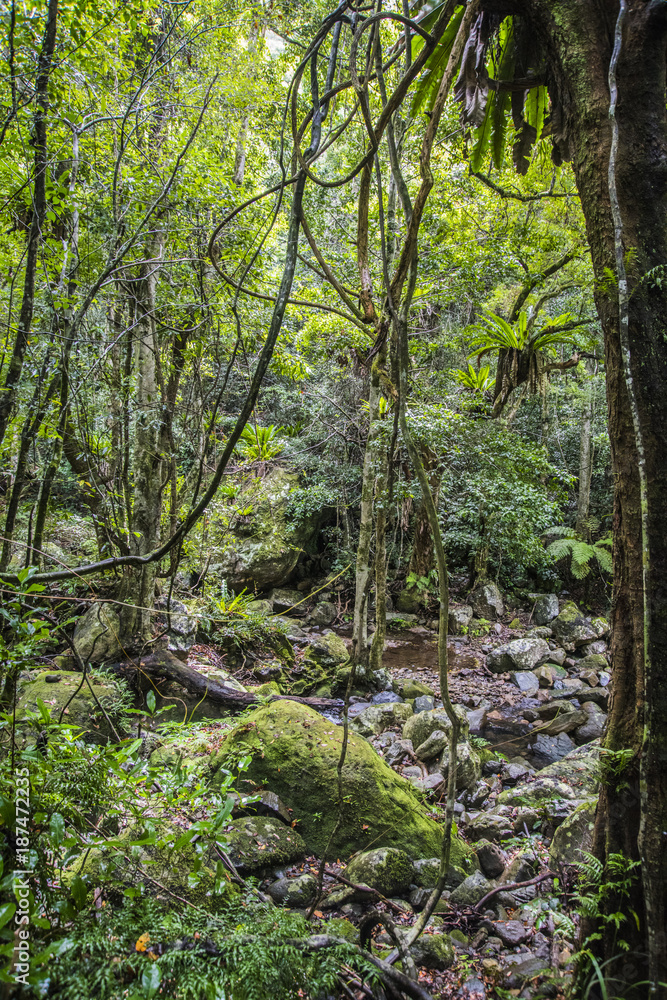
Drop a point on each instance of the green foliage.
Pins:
(260, 444)
(497, 334)
(581, 553)
(477, 380)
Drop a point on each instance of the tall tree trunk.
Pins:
(147, 465)
(363, 570)
(585, 458)
(632, 812)
(35, 236)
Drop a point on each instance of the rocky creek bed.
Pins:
(531, 689)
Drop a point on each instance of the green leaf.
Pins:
(150, 980)
(150, 701)
(6, 913)
(79, 891)
(57, 828)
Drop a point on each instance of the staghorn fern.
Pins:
(581, 553)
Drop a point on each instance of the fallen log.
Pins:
(163, 665)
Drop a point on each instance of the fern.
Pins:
(581, 554)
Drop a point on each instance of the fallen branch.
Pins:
(513, 885)
(165, 666)
(366, 888)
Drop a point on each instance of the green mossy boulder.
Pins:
(320, 665)
(377, 718)
(386, 869)
(295, 753)
(97, 634)
(410, 689)
(55, 689)
(420, 726)
(262, 548)
(256, 842)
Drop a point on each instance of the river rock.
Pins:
(592, 728)
(324, 613)
(549, 749)
(487, 601)
(284, 600)
(433, 951)
(254, 842)
(432, 746)
(420, 726)
(377, 718)
(518, 654)
(295, 751)
(492, 859)
(468, 766)
(565, 722)
(546, 609)
(510, 932)
(459, 619)
(572, 629)
(526, 681)
(471, 890)
(489, 826)
(386, 869)
(398, 751)
(299, 891)
(97, 634)
(424, 703)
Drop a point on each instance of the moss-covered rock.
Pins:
(97, 634)
(411, 689)
(255, 842)
(386, 869)
(377, 718)
(56, 691)
(571, 628)
(433, 951)
(263, 547)
(320, 664)
(420, 726)
(574, 836)
(295, 753)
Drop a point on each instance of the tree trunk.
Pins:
(585, 459)
(138, 590)
(35, 236)
(363, 567)
(632, 813)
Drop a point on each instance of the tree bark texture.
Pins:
(585, 459)
(578, 39)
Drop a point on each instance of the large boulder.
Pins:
(487, 601)
(255, 842)
(572, 629)
(419, 727)
(386, 869)
(518, 654)
(295, 752)
(546, 609)
(63, 692)
(377, 718)
(319, 665)
(468, 766)
(262, 548)
(459, 618)
(97, 634)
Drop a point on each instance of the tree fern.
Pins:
(571, 545)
